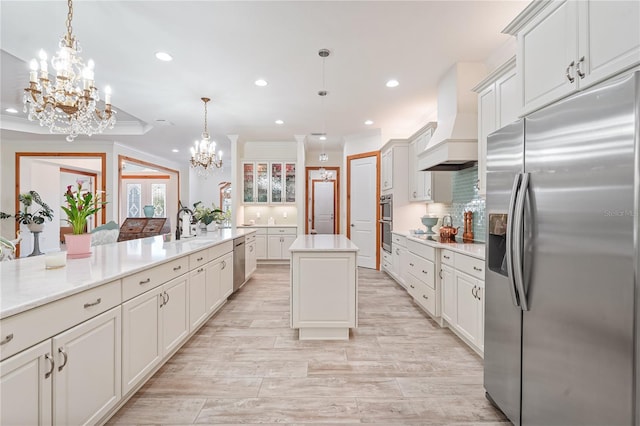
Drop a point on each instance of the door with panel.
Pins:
(363, 207)
(323, 202)
(467, 307)
(197, 297)
(449, 295)
(175, 314)
(213, 295)
(226, 276)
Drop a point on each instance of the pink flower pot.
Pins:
(78, 246)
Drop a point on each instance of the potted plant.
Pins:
(81, 204)
(33, 213)
(206, 215)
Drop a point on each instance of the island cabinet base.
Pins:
(324, 288)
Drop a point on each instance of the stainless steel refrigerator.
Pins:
(562, 253)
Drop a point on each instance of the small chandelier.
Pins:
(70, 105)
(203, 153)
(325, 174)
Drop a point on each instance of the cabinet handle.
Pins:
(199, 259)
(200, 270)
(475, 268)
(177, 268)
(167, 300)
(49, 358)
(7, 339)
(415, 194)
(162, 300)
(579, 71)
(424, 272)
(280, 230)
(411, 264)
(473, 292)
(147, 281)
(97, 302)
(411, 285)
(426, 297)
(398, 252)
(440, 274)
(64, 358)
(251, 249)
(446, 257)
(429, 192)
(568, 74)
(224, 264)
(478, 293)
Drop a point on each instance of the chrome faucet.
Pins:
(179, 219)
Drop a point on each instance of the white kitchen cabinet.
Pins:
(426, 186)
(499, 103)
(386, 180)
(250, 256)
(400, 264)
(198, 312)
(226, 276)
(278, 242)
(213, 288)
(268, 182)
(261, 247)
(26, 383)
(569, 45)
(175, 313)
(470, 308)
(449, 294)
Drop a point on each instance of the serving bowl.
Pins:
(429, 222)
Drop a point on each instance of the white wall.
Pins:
(207, 189)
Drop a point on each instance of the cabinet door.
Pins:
(387, 169)
(609, 38)
(250, 259)
(413, 171)
(487, 123)
(197, 297)
(175, 314)
(274, 247)
(25, 387)
(508, 99)
(425, 185)
(213, 295)
(226, 276)
(467, 306)
(287, 240)
(276, 183)
(261, 247)
(248, 182)
(395, 261)
(403, 270)
(290, 182)
(546, 47)
(87, 377)
(141, 350)
(449, 299)
(480, 302)
(262, 183)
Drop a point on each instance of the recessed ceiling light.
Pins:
(392, 83)
(175, 150)
(368, 122)
(11, 110)
(323, 138)
(261, 82)
(164, 56)
(279, 122)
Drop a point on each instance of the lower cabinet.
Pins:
(250, 259)
(470, 308)
(153, 324)
(198, 312)
(72, 378)
(449, 298)
(261, 247)
(278, 246)
(226, 276)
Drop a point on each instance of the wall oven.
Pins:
(386, 221)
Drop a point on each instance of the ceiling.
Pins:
(221, 47)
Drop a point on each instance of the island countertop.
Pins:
(320, 242)
(26, 284)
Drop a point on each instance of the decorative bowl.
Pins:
(429, 222)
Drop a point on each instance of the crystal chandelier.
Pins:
(70, 105)
(203, 153)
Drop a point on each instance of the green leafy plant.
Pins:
(80, 205)
(207, 215)
(27, 215)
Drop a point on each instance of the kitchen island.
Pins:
(324, 287)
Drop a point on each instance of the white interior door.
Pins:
(363, 208)
(324, 207)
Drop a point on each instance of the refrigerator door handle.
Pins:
(517, 241)
(509, 249)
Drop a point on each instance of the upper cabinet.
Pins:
(426, 186)
(268, 182)
(499, 100)
(564, 46)
(386, 180)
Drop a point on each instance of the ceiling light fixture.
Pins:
(323, 158)
(368, 122)
(261, 82)
(70, 105)
(279, 122)
(11, 110)
(392, 83)
(203, 153)
(164, 57)
(175, 150)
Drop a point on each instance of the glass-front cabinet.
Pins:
(269, 183)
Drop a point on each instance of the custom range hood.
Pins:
(454, 144)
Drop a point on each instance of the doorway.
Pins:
(322, 200)
(363, 214)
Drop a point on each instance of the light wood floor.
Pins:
(246, 366)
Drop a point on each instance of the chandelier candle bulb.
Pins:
(33, 75)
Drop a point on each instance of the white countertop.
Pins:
(26, 284)
(260, 225)
(323, 243)
(476, 250)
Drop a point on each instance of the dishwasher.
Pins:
(238, 263)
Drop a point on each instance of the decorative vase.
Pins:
(36, 229)
(78, 246)
(149, 210)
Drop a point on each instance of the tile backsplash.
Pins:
(464, 198)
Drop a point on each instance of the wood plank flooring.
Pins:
(246, 366)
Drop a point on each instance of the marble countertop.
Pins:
(323, 243)
(26, 284)
(476, 250)
(260, 225)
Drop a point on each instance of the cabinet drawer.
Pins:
(470, 265)
(140, 282)
(220, 250)
(422, 269)
(282, 231)
(446, 257)
(386, 257)
(250, 238)
(261, 231)
(426, 297)
(387, 266)
(400, 240)
(36, 325)
(198, 259)
(423, 250)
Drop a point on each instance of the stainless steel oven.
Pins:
(386, 221)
